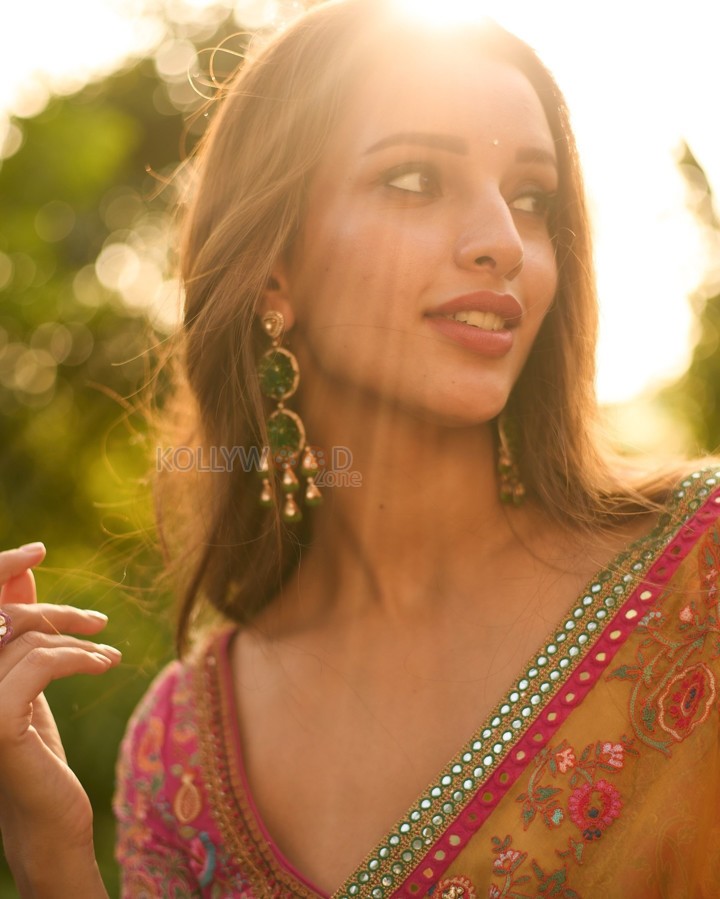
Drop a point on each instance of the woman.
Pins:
(421, 689)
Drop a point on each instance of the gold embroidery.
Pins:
(187, 803)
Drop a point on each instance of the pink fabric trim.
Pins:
(494, 788)
(230, 700)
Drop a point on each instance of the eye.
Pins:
(535, 201)
(414, 179)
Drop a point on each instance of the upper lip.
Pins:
(503, 304)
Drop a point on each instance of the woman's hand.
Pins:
(45, 815)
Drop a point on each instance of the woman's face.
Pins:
(434, 190)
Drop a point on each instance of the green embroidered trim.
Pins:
(392, 860)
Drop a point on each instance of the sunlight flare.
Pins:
(444, 12)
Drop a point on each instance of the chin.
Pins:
(455, 413)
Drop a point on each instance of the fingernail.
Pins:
(93, 613)
(101, 658)
(110, 649)
(32, 547)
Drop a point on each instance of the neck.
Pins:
(424, 512)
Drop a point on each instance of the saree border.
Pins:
(446, 814)
(567, 695)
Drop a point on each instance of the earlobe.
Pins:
(276, 298)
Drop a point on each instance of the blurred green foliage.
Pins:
(695, 397)
(84, 250)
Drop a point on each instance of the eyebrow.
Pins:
(425, 139)
(536, 154)
(457, 145)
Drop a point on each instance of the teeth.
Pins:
(488, 321)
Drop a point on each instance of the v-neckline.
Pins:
(388, 864)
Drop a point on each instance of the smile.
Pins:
(486, 321)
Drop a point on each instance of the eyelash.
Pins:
(543, 198)
(411, 168)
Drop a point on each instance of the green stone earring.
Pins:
(512, 489)
(279, 376)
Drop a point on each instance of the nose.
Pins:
(489, 240)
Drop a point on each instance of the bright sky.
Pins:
(639, 77)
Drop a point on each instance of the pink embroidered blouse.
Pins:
(597, 775)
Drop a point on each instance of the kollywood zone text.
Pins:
(335, 467)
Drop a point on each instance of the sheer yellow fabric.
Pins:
(624, 800)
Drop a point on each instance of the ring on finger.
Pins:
(6, 629)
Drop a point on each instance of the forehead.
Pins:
(452, 90)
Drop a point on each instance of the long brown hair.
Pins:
(253, 167)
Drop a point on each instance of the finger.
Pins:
(32, 674)
(51, 619)
(15, 652)
(20, 588)
(15, 561)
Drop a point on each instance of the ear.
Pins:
(276, 296)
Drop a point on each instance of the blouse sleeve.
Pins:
(155, 859)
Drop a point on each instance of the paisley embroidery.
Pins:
(158, 801)
(187, 804)
(687, 701)
(671, 695)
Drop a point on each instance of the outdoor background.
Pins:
(98, 103)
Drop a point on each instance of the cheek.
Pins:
(353, 266)
(541, 276)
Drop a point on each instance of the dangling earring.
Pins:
(279, 376)
(512, 489)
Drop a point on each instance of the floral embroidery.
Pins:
(148, 756)
(671, 696)
(203, 858)
(454, 888)
(687, 701)
(709, 566)
(686, 614)
(543, 799)
(507, 862)
(158, 801)
(553, 883)
(613, 754)
(593, 807)
(565, 760)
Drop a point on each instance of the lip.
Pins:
(494, 344)
(503, 304)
